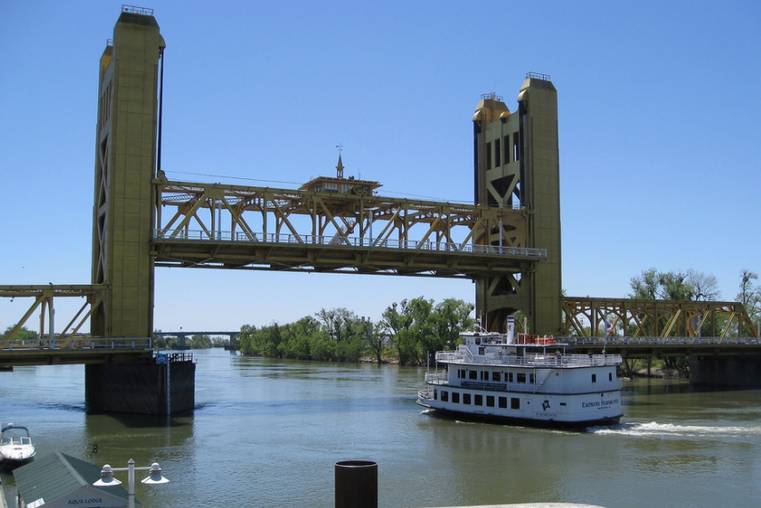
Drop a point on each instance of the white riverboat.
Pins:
(16, 446)
(531, 380)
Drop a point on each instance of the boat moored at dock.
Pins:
(531, 380)
(16, 446)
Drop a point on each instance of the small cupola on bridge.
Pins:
(340, 184)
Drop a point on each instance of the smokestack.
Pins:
(510, 329)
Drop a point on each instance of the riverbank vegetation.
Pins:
(408, 332)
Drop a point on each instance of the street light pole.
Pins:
(107, 478)
(131, 483)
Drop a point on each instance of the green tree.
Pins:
(690, 285)
(397, 320)
(376, 339)
(418, 328)
(450, 318)
(750, 296)
(200, 342)
(23, 334)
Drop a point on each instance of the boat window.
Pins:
(473, 374)
(484, 375)
(497, 153)
(466, 398)
(496, 376)
(594, 378)
(490, 400)
(481, 350)
(510, 377)
(435, 394)
(456, 397)
(479, 400)
(531, 378)
(515, 403)
(444, 396)
(610, 376)
(461, 373)
(521, 377)
(503, 402)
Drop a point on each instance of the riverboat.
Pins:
(527, 380)
(16, 446)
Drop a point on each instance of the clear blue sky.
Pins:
(660, 140)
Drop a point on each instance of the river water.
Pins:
(267, 433)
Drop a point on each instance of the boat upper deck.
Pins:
(504, 357)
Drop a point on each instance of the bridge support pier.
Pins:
(725, 371)
(164, 386)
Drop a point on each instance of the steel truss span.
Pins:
(231, 226)
(44, 297)
(585, 317)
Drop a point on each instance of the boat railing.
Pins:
(549, 360)
(436, 377)
(425, 393)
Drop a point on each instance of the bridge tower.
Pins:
(127, 152)
(516, 164)
(125, 164)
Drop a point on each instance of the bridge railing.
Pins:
(548, 360)
(79, 343)
(660, 341)
(353, 242)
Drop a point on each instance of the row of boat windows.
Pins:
(496, 376)
(478, 399)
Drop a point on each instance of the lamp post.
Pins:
(107, 478)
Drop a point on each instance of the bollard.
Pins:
(356, 484)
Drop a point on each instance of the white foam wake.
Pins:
(656, 429)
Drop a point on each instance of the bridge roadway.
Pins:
(93, 350)
(307, 253)
(76, 350)
(643, 347)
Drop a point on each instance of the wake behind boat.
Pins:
(16, 446)
(532, 380)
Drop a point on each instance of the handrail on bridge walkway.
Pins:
(337, 241)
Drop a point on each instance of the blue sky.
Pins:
(660, 144)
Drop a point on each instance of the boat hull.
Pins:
(7, 464)
(521, 421)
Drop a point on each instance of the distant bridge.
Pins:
(183, 333)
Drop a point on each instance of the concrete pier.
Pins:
(725, 371)
(160, 386)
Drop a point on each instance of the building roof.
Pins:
(340, 184)
(56, 478)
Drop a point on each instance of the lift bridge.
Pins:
(507, 241)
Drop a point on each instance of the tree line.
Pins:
(692, 285)
(408, 332)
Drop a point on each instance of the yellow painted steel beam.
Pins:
(657, 317)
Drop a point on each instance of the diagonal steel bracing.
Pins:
(585, 317)
(233, 226)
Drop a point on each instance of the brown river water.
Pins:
(267, 433)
